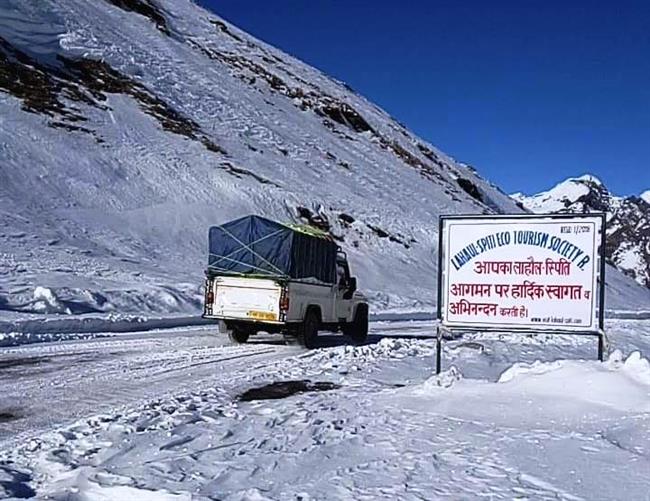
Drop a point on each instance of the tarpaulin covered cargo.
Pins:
(254, 245)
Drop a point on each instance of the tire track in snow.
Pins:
(51, 385)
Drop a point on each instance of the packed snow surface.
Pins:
(159, 416)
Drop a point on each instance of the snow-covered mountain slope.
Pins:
(128, 127)
(646, 196)
(628, 219)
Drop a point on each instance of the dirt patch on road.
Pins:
(7, 415)
(284, 389)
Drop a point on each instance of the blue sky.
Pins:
(528, 92)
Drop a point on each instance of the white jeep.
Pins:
(266, 276)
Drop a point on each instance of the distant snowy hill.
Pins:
(128, 127)
(628, 219)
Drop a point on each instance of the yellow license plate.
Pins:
(261, 315)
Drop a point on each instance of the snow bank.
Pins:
(563, 394)
(445, 380)
(619, 385)
(35, 330)
(631, 315)
(386, 348)
(634, 367)
(102, 297)
(83, 484)
(19, 329)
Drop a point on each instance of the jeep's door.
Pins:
(343, 301)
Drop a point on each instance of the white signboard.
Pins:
(528, 272)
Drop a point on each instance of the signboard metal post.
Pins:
(601, 310)
(601, 346)
(438, 349)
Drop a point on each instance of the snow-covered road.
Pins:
(165, 415)
(47, 385)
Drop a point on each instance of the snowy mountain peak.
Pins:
(575, 194)
(646, 196)
(590, 178)
(628, 219)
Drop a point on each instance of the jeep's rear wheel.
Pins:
(238, 336)
(357, 330)
(308, 330)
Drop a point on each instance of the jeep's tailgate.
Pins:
(246, 299)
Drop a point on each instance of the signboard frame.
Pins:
(599, 268)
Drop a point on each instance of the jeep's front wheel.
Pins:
(357, 330)
(308, 330)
